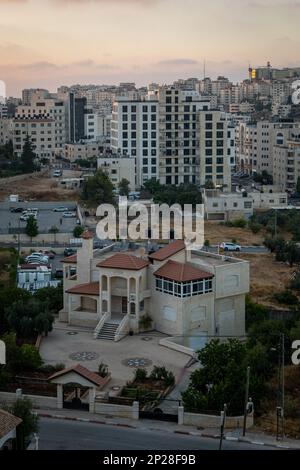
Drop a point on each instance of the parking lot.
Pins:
(46, 218)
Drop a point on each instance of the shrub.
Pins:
(286, 297)
(255, 227)
(295, 283)
(146, 322)
(239, 223)
(140, 374)
(161, 373)
(78, 231)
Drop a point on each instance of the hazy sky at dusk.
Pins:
(46, 43)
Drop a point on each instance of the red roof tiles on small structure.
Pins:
(181, 272)
(8, 422)
(168, 250)
(83, 372)
(70, 259)
(124, 261)
(90, 288)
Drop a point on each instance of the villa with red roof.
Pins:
(185, 293)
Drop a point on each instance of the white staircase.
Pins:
(108, 331)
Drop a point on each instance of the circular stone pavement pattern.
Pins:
(84, 356)
(137, 362)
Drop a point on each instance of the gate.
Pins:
(73, 396)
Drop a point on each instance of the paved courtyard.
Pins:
(80, 347)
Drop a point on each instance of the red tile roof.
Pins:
(181, 272)
(124, 261)
(70, 259)
(8, 422)
(83, 372)
(168, 250)
(90, 288)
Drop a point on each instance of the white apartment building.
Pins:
(3, 110)
(215, 146)
(118, 167)
(286, 169)
(41, 132)
(179, 146)
(134, 132)
(185, 293)
(97, 127)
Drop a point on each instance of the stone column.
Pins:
(135, 410)
(109, 294)
(180, 414)
(92, 396)
(60, 396)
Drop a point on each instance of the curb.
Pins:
(185, 433)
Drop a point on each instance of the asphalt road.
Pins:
(57, 434)
(245, 249)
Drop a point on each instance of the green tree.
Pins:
(51, 297)
(222, 377)
(54, 229)
(78, 231)
(29, 318)
(97, 189)
(255, 313)
(28, 157)
(31, 228)
(124, 187)
(23, 408)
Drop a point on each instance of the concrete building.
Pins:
(82, 151)
(48, 108)
(134, 131)
(286, 169)
(97, 127)
(231, 206)
(118, 167)
(41, 132)
(185, 293)
(30, 94)
(255, 143)
(215, 145)
(179, 147)
(6, 130)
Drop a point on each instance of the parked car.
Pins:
(69, 214)
(50, 254)
(26, 216)
(16, 210)
(228, 246)
(60, 209)
(37, 259)
(69, 252)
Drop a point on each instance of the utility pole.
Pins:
(275, 228)
(246, 400)
(223, 420)
(283, 385)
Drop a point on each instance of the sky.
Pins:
(48, 43)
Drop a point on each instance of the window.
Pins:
(184, 289)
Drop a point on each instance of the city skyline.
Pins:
(141, 40)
